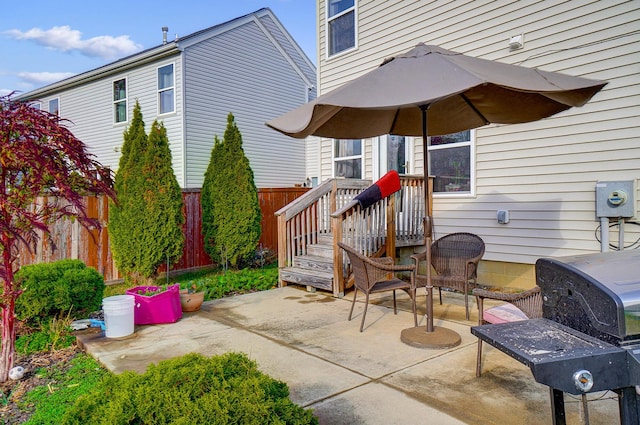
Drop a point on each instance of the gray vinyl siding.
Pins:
(242, 72)
(254, 70)
(293, 51)
(545, 172)
(89, 111)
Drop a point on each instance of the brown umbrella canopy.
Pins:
(461, 92)
(432, 91)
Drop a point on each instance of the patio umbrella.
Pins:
(433, 91)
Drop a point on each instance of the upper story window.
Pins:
(120, 101)
(450, 161)
(347, 158)
(54, 106)
(166, 89)
(341, 26)
(36, 105)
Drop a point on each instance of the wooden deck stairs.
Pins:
(315, 269)
(310, 227)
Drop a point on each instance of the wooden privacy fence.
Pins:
(71, 240)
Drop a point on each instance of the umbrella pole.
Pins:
(434, 337)
(427, 224)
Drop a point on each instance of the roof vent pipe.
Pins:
(165, 30)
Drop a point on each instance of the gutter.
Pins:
(121, 65)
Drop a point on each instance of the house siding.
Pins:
(249, 66)
(227, 73)
(89, 111)
(545, 172)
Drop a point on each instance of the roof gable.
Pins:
(275, 32)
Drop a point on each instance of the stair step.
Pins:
(325, 239)
(315, 278)
(320, 250)
(314, 262)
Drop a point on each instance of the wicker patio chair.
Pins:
(455, 259)
(372, 275)
(528, 305)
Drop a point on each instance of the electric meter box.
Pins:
(615, 199)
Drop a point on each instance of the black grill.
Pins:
(589, 338)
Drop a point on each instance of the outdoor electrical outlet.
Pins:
(503, 216)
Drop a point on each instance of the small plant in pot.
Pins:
(192, 296)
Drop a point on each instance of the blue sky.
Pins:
(45, 41)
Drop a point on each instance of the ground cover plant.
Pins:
(57, 371)
(192, 389)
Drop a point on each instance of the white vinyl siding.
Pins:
(545, 172)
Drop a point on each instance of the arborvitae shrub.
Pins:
(230, 205)
(145, 225)
(191, 389)
(59, 288)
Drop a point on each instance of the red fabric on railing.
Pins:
(385, 186)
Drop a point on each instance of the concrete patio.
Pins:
(347, 377)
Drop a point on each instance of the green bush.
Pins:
(231, 212)
(145, 225)
(52, 290)
(191, 389)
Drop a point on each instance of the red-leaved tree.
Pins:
(45, 173)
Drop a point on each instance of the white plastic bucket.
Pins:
(118, 315)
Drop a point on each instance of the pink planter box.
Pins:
(159, 308)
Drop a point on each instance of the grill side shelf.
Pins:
(555, 352)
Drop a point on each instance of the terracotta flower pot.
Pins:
(191, 302)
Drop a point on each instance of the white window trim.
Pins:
(472, 172)
(125, 100)
(343, 158)
(380, 150)
(59, 105)
(173, 87)
(326, 30)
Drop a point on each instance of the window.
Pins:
(450, 162)
(341, 26)
(36, 105)
(166, 92)
(397, 154)
(347, 158)
(54, 106)
(120, 101)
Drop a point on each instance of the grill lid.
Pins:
(594, 293)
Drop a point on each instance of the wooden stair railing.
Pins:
(329, 210)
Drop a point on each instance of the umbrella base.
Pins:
(440, 337)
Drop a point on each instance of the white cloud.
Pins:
(65, 39)
(39, 78)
